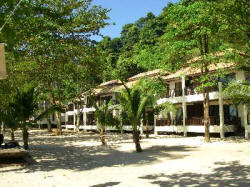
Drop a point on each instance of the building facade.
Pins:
(182, 92)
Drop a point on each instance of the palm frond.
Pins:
(51, 110)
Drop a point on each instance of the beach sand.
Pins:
(74, 160)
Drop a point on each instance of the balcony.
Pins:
(198, 121)
(188, 91)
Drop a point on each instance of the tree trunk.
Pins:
(206, 114)
(25, 138)
(136, 138)
(59, 124)
(102, 138)
(12, 134)
(147, 129)
(1, 124)
(49, 125)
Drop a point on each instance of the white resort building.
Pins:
(225, 117)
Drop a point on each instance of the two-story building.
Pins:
(181, 90)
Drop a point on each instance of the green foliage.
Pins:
(9, 118)
(54, 50)
(133, 103)
(135, 51)
(166, 108)
(104, 115)
(239, 92)
(153, 87)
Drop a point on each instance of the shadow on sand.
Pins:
(52, 153)
(106, 184)
(225, 174)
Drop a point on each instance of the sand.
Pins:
(80, 160)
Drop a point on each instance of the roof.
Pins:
(153, 73)
(111, 83)
(190, 71)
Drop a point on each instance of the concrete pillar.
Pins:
(184, 106)
(245, 121)
(221, 111)
(66, 118)
(74, 119)
(84, 118)
(141, 127)
(155, 131)
(184, 109)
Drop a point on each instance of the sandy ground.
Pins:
(79, 160)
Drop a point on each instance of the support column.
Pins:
(245, 121)
(66, 118)
(141, 127)
(184, 106)
(155, 118)
(84, 118)
(184, 109)
(74, 119)
(221, 111)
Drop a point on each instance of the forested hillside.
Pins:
(176, 35)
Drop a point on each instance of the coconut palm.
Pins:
(10, 120)
(25, 107)
(133, 103)
(104, 117)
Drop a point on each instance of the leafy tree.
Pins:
(10, 120)
(194, 30)
(25, 108)
(109, 50)
(59, 43)
(238, 92)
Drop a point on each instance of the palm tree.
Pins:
(133, 103)
(25, 106)
(104, 117)
(10, 120)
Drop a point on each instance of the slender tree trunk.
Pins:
(136, 138)
(1, 124)
(147, 129)
(59, 124)
(12, 134)
(49, 125)
(206, 114)
(25, 138)
(102, 138)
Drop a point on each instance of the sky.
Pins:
(128, 11)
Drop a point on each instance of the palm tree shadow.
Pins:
(226, 174)
(106, 184)
(57, 156)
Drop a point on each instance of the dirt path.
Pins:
(79, 160)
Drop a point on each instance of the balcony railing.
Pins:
(188, 91)
(174, 93)
(214, 120)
